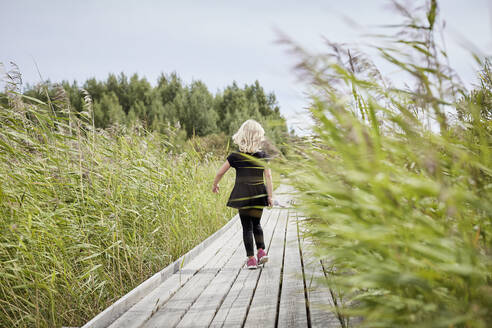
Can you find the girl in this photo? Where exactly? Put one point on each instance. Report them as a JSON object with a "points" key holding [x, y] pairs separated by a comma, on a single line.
{"points": [[249, 194]]}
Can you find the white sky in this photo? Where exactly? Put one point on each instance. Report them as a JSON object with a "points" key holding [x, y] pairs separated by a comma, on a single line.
{"points": [[214, 41]]}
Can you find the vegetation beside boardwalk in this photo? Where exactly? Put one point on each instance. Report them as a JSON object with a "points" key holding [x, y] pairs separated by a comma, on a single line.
{"points": [[189, 107], [88, 214], [397, 180]]}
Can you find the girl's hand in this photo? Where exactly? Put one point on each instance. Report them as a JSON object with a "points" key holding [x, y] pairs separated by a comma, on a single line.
{"points": [[223, 169], [270, 201]]}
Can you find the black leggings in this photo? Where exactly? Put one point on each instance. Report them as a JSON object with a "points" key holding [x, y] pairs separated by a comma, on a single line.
{"points": [[250, 220]]}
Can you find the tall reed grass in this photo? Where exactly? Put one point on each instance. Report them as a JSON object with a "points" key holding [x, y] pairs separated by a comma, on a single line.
{"points": [[89, 214], [397, 181]]}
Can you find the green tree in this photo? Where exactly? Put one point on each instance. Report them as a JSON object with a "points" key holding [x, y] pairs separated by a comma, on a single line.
{"points": [[139, 90], [171, 102], [232, 109], [95, 88], [200, 117], [108, 110]]}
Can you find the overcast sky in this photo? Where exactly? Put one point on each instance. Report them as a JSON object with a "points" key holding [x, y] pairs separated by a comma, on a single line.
{"points": [[214, 41]]}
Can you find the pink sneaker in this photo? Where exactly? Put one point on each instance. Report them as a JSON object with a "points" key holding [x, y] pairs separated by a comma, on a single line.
{"points": [[262, 257], [252, 263]]}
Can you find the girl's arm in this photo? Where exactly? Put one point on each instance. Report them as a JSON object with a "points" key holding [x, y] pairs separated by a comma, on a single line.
{"points": [[223, 169], [269, 186]]}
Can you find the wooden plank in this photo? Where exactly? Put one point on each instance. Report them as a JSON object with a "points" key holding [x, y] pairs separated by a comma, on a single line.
{"points": [[170, 313], [115, 310], [206, 306], [292, 309], [232, 312], [263, 309], [323, 313], [152, 301], [142, 310]]}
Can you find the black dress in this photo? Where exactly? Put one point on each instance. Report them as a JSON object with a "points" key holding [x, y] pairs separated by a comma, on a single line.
{"points": [[249, 190]]}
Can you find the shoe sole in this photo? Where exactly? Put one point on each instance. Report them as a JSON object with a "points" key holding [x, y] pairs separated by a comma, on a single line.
{"points": [[263, 260], [253, 267]]}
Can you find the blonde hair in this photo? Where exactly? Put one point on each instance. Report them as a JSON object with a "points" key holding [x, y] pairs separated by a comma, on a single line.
{"points": [[249, 137]]}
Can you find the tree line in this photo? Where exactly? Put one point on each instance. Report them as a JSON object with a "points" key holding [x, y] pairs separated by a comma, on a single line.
{"points": [[171, 102]]}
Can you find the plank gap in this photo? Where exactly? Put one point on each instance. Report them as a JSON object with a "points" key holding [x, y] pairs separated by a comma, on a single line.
{"points": [[281, 272], [308, 311], [341, 318], [225, 295]]}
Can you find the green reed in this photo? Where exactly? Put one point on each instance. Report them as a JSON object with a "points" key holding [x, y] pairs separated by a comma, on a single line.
{"points": [[87, 214], [397, 182]]}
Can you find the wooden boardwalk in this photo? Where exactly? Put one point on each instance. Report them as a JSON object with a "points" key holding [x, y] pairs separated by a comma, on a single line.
{"points": [[215, 289]]}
